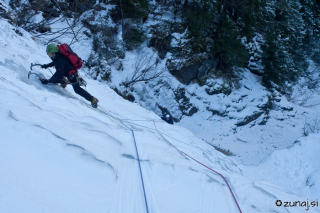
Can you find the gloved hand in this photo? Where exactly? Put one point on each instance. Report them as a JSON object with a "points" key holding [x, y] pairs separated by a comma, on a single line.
{"points": [[44, 81], [44, 66]]}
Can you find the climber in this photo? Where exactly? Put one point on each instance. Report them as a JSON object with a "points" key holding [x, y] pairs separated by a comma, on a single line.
{"points": [[167, 119], [65, 68]]}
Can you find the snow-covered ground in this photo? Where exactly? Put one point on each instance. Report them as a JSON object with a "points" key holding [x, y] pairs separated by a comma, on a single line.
{"points": [[252, 126], [250, 123], [60, 155]]}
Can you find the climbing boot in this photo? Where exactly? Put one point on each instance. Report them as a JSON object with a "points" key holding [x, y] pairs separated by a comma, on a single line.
{"points": [[64, 82], [63, 85], [94, 102]]}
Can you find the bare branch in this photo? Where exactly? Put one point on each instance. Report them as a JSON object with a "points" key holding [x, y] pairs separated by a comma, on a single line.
{"points": [[306, 93], [145, 69], [66, 19], [311, 125], [66, 30]]}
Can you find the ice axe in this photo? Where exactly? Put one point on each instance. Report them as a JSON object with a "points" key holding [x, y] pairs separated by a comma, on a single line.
{"points": [[36, 74], [32, 73], [32, 65]]}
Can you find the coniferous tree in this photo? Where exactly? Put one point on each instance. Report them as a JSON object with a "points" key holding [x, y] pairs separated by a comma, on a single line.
{"points": [[228, 48], [284, 57], [311, 17]]}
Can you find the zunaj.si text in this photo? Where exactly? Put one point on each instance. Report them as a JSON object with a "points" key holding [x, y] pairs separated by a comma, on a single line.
{"points": [[297, 204]]}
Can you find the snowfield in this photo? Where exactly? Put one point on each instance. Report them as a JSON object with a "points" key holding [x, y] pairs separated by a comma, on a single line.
{"points": [[60, 155]]}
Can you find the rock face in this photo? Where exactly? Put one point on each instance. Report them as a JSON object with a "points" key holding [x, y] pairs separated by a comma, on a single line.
{"points": [[184, 103], [193, 68], [186, 74], [172, 40]]}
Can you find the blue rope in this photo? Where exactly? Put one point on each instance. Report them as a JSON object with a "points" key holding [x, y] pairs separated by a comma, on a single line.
{"points": [[138, 158], [144, 193]]}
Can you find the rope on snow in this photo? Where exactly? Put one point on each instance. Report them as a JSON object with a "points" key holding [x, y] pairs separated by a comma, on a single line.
{"points": [[137, 153], [225, 180]]}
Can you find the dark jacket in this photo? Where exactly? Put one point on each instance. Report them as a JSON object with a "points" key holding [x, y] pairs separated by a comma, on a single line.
{"points": [[63, 66], [169, 121]]}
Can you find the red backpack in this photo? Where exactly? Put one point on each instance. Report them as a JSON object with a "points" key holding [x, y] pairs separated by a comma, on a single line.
{"points": [[72, 56]]}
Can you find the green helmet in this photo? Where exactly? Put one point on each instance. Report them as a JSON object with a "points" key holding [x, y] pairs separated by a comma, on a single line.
{"points": [[52, 48]]}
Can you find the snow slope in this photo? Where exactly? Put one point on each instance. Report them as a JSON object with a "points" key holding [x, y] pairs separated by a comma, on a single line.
{"points": [[60, 155]]}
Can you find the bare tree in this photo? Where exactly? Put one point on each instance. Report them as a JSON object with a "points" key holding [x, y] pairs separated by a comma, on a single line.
{"points": [[307, 93], [25, 15], [65, 18], [145, 69], [311, 125]]}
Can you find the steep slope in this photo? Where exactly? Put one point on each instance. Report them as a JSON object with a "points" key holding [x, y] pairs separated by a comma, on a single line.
{"points": [[60, 155]]}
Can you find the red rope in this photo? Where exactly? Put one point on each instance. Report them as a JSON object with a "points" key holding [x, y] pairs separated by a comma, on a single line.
{"points": [[225, 180]]}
